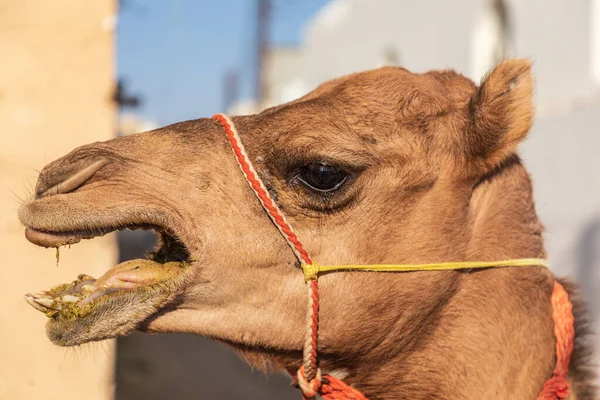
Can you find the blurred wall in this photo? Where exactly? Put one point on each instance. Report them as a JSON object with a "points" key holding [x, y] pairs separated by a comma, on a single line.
{"points": [[56, 82]]}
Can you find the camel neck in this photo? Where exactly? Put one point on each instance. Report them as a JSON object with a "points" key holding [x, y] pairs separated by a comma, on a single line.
{"points": [[502, 216]]}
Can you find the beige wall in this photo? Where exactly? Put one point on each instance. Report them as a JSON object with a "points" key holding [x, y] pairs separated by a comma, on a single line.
{"points": [[56, 80]]}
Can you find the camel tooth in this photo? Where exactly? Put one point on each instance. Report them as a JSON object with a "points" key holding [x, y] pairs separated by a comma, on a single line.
{"points": [[56, 288], [29, 298], [44, 295], [49, 303], [69, 298], [88, 288]]}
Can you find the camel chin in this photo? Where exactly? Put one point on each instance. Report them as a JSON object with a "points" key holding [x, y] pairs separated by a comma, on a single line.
{"points": [[89, 309]]}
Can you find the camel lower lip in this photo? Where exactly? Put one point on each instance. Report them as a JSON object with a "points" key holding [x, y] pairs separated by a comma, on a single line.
{"points": [[51, 239], [79, 310]]}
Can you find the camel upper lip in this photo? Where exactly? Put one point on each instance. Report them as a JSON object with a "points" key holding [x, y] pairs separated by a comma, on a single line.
{"points": [[55, 239], [170, 247], [46, 238], [62, 214]]}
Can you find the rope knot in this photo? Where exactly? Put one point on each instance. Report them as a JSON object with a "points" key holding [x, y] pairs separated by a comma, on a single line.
{"points": [[309, 388], [556, 387], [310, 271]]}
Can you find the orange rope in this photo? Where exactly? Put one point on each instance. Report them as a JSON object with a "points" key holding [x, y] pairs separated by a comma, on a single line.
{"points": [[309, 377], [259, 189], [557, 387], [329, 388]]}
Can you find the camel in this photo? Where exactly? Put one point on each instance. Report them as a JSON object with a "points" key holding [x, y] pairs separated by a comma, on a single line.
{"points": [[382, 166]]}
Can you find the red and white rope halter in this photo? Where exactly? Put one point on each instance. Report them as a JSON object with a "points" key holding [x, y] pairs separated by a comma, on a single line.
{"points": [[309, 377]]}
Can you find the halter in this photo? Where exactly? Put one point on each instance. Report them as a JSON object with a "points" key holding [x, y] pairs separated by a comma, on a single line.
{"points": [[309, 377]]}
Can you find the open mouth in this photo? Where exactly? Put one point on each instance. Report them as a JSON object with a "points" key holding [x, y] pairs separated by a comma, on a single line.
{"points": [[89, 309]]}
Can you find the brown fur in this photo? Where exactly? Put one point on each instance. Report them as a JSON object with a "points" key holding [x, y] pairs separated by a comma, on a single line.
{"points": [[432, 177]]}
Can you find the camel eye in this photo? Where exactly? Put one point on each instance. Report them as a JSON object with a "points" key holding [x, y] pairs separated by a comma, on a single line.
{"points": [[322, 177]]}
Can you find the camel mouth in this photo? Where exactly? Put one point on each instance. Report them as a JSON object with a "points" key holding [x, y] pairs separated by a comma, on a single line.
{"points": [[90, 309], [170, 247]]}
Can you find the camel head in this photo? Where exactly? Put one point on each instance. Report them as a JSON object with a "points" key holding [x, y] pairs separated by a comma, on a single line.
{"points": [[384, 166]]}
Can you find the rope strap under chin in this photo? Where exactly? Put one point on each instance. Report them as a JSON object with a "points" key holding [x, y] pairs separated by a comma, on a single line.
{"points": [[309, 377]]}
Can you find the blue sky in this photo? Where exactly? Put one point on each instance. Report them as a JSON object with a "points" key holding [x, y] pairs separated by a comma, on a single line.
{"points": [[174, 54]]}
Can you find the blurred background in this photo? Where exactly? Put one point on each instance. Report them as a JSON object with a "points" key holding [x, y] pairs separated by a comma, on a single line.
{"points": [[76, 71]]}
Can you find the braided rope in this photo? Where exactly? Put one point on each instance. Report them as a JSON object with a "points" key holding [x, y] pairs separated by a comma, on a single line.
{"points": [[333, 388], [557, 387], [261, 192], [330, 388], [312, 330], [309, 377]]}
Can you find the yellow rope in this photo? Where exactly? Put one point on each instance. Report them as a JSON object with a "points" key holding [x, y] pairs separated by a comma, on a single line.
{"points": [[311, 271]]}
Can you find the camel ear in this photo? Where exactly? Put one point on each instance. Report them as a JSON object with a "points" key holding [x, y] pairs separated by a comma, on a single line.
{"points": [[501, 113]]}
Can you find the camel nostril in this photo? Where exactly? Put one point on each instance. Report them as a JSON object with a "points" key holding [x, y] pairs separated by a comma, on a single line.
{"points": [[72, 182]]}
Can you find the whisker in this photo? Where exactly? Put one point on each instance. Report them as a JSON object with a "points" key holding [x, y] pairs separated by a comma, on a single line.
{"points": [[20, 200]]}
